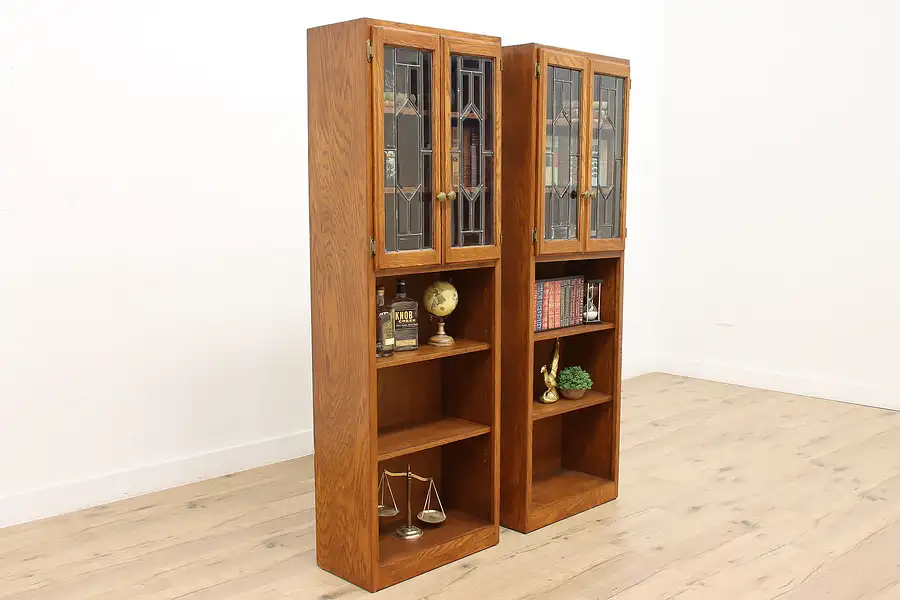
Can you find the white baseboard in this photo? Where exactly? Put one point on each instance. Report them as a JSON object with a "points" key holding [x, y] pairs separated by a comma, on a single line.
{"points": [[639, 366], [76, 495], [792, 383]]}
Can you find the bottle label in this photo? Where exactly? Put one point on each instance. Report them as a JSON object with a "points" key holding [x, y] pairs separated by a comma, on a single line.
{"points": [[406, 328], [387, 334]]}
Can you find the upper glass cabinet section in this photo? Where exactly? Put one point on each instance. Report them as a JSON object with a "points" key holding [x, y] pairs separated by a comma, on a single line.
{"points": [[472, 186], [408, 150], [607, 128], [562, 154]]}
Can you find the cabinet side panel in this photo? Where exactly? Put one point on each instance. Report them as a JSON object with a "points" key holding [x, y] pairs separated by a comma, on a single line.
{"points": [[342, 331], [518, 157]]}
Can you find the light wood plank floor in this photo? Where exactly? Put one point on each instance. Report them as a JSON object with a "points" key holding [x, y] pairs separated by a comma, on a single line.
{"points": [[727, 492]]}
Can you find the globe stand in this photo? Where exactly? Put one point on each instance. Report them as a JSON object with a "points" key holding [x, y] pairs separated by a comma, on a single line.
{"points": [[440, 338]]}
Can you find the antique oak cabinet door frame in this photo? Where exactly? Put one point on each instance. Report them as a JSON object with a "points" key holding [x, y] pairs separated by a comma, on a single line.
{"points": [[606, 162], [561, 177], [471, 142], [406, 147]]}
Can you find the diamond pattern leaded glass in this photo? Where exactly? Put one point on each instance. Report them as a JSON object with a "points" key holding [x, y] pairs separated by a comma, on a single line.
{"points": [[607, 124], [562, 154], [472, 150], [408, 152]]}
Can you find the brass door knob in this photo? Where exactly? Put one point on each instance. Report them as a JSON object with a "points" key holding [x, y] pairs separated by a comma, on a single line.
{"points": [[586, 194], [451, 196], [442, 196]]}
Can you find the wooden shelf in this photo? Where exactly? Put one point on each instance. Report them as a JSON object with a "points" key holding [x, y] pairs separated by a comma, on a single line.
{"points": [[564, 492], [406, 440], [563, 405], [550, 334], [460, 535], [426, 352]]}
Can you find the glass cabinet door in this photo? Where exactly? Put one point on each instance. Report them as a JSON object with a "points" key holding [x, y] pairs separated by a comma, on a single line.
{"points": [[607, 177], [471, 194], [563, 142], [406, 102]]}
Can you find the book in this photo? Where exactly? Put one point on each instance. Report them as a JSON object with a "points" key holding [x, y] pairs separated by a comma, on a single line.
{"points": [[545, 305], [538, 305], [566, 299], [579, 308]]}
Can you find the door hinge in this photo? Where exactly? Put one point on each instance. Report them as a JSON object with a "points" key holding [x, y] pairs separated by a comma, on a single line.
{"points": [[369, 52], [534, 235], [537, 69], [629, 83], [501, 239], [372, 246], [501, 65]]}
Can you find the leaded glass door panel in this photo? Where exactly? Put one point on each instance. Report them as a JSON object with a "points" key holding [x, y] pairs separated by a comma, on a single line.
{"points": [[472, 144], [406, 101], [562, 146], [608, 124]]}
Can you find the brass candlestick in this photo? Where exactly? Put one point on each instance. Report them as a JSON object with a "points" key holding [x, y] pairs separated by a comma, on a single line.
{"points": [[408, 531]]}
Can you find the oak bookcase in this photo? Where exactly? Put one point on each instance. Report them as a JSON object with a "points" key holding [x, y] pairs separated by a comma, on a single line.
{"points": [[404, 173], [564, 179]]}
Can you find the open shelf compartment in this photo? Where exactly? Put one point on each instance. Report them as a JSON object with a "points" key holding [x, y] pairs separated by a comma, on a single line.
{"points": [[572, 464], [590, 269], [427, 404], [463, 476], [470, 324]]}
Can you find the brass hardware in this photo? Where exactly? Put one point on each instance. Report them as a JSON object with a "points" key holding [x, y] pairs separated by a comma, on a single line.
{"points": [[441, 197], [534, 235], [501, 65], [451, 196], [433, 516], [537, 70], [586, 194], [372, 245], [369, 52]]}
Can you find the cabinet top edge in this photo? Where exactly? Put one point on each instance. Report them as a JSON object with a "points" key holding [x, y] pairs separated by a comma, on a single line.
{"points": [[369, 22], [536, 46]]}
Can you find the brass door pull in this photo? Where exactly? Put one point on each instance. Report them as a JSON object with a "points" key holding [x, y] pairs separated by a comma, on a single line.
{"points": [[441, 197], [451, 196]]}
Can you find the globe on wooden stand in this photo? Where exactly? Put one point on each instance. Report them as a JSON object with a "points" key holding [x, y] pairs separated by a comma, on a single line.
{"points": [[440, 300]]}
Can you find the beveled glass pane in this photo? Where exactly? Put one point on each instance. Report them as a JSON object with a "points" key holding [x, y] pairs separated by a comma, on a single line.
{"points": [[471, 151], [407, 150], [607, 127], [562, 154]]}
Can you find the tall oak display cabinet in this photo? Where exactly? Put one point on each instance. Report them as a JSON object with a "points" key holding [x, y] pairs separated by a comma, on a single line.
{"points": [[404, 173], [564, 182]]}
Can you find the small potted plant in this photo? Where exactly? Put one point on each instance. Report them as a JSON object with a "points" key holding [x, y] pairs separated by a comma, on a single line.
{"points": [[573, 381]]}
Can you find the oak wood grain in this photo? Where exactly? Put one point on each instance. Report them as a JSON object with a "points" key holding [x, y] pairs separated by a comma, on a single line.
{"points": [[344, 420], [540, 439], [434, 409]]}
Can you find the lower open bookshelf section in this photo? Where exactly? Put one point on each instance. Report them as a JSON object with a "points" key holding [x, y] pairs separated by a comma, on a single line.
{"points": [[453, 539], [572, 461], [463, 477]]}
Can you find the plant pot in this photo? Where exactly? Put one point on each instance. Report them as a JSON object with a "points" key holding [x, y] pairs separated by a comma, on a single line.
{"points": [[572, 394]]}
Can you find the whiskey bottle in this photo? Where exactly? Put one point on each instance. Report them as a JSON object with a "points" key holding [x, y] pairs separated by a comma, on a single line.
{"points": [[384, 324], [406, 320]]}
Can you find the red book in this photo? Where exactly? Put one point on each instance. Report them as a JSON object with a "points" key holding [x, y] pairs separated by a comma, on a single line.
{"points": [[536, 311], [557, 288]]}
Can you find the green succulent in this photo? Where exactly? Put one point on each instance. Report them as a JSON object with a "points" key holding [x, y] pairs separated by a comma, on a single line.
{"points": [[574, 378]]}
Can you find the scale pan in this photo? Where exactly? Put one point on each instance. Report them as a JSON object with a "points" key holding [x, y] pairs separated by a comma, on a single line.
{"points": [[388, 511], [432, 516]]}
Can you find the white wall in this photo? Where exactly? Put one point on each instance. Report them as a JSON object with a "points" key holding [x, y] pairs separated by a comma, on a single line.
{"points": [[779, 246], [153, 231]]}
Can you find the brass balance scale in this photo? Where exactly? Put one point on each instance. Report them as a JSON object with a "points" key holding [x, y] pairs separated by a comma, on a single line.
{"points": [[432, 516]]}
